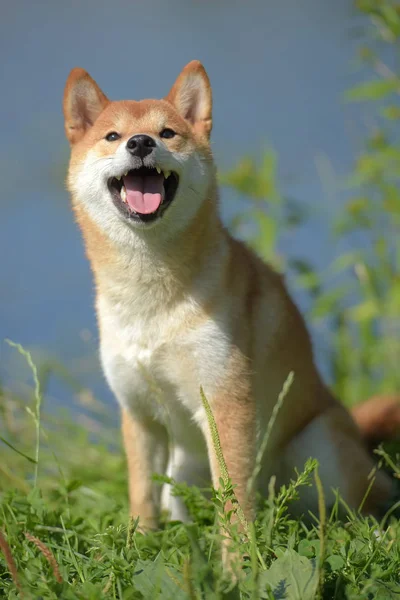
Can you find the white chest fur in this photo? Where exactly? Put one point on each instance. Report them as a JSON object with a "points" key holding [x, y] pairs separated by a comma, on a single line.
{"points": [[155, 358]]}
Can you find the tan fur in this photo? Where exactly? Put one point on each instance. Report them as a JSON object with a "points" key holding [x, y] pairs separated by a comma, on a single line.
{"points": [[378, 418], [182, 305], [140, 449]]}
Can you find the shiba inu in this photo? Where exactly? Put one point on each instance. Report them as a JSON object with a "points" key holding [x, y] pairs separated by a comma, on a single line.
{"points": [[182, 305]]}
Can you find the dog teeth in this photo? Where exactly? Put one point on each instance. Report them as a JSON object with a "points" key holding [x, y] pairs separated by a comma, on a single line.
{"points": [[123, 194], [166, 173], [119, 178]]}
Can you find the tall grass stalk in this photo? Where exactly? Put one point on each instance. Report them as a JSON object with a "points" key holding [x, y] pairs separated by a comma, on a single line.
{"points": [[38, 403]]}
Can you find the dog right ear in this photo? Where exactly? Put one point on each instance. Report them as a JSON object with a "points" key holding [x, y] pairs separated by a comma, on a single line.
{"points": [[83, 102]]}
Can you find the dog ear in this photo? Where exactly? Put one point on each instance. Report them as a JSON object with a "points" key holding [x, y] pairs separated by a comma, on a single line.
{"points": [[191, 96], [83, 102]]}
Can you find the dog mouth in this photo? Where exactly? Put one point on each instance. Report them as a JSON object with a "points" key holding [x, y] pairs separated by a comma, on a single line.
{"points": [[144, 194]]}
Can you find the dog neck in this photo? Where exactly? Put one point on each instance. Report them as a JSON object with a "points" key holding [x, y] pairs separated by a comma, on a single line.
{"points": [[173, 264]]}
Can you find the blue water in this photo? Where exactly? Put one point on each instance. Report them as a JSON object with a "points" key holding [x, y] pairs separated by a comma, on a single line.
{"points": [[278, 70]]}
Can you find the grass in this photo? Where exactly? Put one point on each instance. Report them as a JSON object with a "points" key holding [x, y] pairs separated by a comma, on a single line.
{"points": [[66, 531]]}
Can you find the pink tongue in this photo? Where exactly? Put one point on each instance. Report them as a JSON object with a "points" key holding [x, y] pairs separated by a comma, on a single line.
{"points": [[144, 194]]}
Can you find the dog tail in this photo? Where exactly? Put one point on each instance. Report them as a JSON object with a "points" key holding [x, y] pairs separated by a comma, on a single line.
{"points": [[378, 418]]}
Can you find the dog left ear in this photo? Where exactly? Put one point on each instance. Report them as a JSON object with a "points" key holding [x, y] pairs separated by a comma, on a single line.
{"points": [[191, 96]]}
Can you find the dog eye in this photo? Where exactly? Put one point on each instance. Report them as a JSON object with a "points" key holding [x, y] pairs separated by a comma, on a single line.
{"points": [[113, 136], [167, 133]]}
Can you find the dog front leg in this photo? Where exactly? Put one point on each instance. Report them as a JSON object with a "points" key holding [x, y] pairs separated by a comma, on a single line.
{"points": [[146, 447]]}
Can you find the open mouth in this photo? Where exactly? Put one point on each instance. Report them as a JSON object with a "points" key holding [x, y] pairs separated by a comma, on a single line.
{"points": [[143, 194]]}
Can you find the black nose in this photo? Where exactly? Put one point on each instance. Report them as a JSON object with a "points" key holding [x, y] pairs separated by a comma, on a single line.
{"points": [[140, 145]]}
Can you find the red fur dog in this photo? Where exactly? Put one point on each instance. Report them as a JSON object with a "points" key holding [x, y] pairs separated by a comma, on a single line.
{"points": [[181, 305]]}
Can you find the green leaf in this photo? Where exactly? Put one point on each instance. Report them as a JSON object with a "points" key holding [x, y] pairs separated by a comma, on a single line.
{"points": [[365, 311], [257, 181], [154, 580], [307, 548], [391, 112], [201, 570], [74, 485], [291, 577], [335, 562], [265, 242], [372, 90], [328, 303], [32, 460], [375, 590], [345, 262]]}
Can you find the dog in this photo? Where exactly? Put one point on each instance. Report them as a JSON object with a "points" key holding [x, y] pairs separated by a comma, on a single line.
{"points": [[181, 305]]}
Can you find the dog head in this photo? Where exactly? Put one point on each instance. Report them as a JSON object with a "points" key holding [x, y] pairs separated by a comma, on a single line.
{"points": [[140, 165]]}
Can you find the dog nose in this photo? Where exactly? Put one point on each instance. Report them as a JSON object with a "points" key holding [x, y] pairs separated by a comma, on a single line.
{"points": [[140, 145]]}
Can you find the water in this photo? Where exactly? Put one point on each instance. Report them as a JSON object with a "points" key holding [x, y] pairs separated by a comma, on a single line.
{"points": [[278, 71]]}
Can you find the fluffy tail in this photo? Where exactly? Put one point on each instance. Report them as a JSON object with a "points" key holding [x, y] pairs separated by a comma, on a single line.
{"points": [[378, 418]]}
